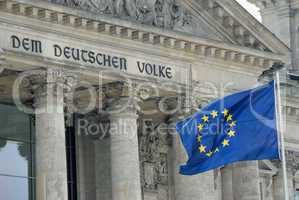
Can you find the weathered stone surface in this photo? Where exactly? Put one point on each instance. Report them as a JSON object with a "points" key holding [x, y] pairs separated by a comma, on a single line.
{"points": [[278, 185], [154, 149], [51, 171], [204, 186], [103, 169], [246, 181], [169, 14], [227, 183], [210, 61], [125, 167]]}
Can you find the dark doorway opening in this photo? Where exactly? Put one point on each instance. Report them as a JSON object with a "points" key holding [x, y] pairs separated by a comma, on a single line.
{"points": [[71, 161]]}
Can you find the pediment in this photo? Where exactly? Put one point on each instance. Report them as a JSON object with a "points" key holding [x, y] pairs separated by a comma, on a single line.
{"points": [[165, 14], [220, 20], [236, 25]]}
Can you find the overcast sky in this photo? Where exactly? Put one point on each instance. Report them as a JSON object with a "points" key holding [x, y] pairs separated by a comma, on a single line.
{"points": [[251, 8]]}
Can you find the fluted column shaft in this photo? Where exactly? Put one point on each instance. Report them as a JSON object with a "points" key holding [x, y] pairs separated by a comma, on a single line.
{"points": [[278, 185], [227, 182], [125, 168], [246, 181], [189, 187], [51, 169]]}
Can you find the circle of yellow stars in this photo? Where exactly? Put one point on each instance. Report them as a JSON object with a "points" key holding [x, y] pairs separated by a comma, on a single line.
{"points": [[225, 142]]}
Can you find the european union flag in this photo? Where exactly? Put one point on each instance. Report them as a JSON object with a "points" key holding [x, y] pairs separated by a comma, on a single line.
{"points": [[239, 127]]}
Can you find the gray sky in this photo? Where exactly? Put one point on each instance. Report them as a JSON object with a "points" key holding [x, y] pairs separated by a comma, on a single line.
{"points": [[251, 8]]}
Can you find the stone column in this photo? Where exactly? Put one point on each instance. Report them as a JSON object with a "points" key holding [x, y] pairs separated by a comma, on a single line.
{"points": [[278, 186], [103, 169], [179, 157], [292, 159], [227, 182], [102, 155], [125, 168], [51, 169], [202, 186], [246, 181]]}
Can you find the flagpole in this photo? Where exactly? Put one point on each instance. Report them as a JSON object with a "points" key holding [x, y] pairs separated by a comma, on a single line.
{"points": [[281, 130]]}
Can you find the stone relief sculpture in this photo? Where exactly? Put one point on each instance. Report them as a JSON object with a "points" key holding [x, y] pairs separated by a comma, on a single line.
{"points": [[154, 161], [292, 160], [168, 14]]}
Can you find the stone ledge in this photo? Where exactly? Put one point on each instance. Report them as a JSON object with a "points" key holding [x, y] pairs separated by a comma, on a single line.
{"points": [[151, 35]]}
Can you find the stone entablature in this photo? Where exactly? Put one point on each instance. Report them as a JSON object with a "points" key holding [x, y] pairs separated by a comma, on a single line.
{"points": [[174, 16], [148, 35], [170, 15]]}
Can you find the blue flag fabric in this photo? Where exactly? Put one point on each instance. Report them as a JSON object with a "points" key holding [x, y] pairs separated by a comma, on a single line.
{"points": [[239, 127]]}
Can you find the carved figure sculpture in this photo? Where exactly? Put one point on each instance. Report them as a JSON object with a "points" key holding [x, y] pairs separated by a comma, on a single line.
{"points": [[161, 13]]}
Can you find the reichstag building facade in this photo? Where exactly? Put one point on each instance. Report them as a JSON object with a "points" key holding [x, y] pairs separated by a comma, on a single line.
{"points": [[90, 91]]}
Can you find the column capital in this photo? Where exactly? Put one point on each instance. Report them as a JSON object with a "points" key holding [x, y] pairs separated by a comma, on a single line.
{"points": [[123, 107], [50, 83], [117, 89], [184, 111], [69, 86], [203, 93], [176, 105], [120, 99]]}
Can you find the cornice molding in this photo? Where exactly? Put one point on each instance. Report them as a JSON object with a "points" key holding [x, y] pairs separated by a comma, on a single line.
{"points": [[181, 16], [263, 4], [224, 21], [252, 27], [60, 15]]}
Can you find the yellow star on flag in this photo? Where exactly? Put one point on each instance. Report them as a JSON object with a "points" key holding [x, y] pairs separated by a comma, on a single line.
{"points": [[225, 112], [225, 143], [231, 133], [229, 118], [200, 127], [205, 118], [214, 113], [210, 154], [232, 124], [199, 138], [216, 150], [202, 149]]}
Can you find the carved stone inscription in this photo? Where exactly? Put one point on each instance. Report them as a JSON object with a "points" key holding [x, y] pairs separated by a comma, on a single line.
{"points": [[91, 56], [26, 44]]}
